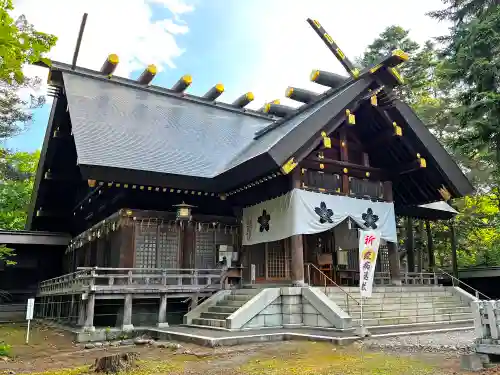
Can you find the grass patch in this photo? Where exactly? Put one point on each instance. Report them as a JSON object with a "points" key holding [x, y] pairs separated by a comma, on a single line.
{"points": [[321, 358], [5, 350], [70, 371]]}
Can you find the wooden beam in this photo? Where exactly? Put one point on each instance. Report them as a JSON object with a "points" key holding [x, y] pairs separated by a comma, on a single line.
{"points": [[392, 248], [430, 245], [410, 245], [334, 169], [344, 156], [409, 167], [336, 144], [345, 164]]}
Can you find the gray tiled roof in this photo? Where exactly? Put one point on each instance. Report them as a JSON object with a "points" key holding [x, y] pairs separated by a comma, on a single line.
{"points": [[269, 139], [123, 127]]}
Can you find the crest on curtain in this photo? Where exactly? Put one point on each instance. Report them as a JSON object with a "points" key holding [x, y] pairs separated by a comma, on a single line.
{"points": [[325, 214], [370, 219], [263, 221]]}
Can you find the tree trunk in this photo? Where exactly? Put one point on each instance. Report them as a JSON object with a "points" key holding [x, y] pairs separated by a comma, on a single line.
{"points": [[115, 363]]}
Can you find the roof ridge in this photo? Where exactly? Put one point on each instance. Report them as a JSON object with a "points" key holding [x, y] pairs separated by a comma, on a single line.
{"points": [[128, 82]]}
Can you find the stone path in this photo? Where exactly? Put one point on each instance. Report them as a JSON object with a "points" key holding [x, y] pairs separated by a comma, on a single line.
{"points": [[460, 341]]}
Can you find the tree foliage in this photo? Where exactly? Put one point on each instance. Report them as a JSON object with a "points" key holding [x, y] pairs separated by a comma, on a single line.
{"points": [[15, 193], [20, 44], [472, 65], [437, 97]]}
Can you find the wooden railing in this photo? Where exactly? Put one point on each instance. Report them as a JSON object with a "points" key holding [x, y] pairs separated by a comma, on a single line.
{"points": [[319, 278], [123, 280], [333, 183], [408, 278]]}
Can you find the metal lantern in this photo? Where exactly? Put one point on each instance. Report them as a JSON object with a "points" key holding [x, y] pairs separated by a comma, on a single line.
{"points": [[183, 211]]}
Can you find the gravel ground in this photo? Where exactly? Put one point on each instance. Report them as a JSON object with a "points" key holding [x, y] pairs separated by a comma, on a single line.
{"points": [[460, 341]]}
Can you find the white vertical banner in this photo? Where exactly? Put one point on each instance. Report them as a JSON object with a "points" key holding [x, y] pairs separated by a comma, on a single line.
{"points": [[369, 242]]}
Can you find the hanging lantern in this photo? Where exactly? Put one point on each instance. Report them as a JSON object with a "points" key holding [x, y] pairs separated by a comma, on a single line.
{"points": [[183, 211]]}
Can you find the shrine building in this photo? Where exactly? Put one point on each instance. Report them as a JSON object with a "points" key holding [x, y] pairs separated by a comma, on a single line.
{"points": [[157, 188]]}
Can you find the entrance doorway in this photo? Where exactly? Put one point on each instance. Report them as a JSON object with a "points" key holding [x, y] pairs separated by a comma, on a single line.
{"points": [[272, 261]]}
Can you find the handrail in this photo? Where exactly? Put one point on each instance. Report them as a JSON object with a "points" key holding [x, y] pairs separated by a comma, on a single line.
{"points": [[333, 282], [221, 281], [453, 278]]}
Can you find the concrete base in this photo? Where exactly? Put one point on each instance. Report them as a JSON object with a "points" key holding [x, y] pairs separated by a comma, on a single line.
{"points": [[163, 325], [214, 338], [471, 362], [362, 332], [128, 328], [89, 329]]}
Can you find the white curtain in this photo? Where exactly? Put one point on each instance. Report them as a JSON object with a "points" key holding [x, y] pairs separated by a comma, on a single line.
{"points": [[305, 212]]}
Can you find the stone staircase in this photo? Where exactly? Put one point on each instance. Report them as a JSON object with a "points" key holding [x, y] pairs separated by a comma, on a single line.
{"points": [[406, 306], [215, 316]]}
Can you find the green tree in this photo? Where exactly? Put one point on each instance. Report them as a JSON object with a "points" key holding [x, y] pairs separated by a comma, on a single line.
{"points": [[472, 66], [434, 97], [15, 194], [20, 44]]}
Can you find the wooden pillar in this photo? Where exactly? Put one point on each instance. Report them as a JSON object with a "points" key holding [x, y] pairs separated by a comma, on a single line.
{"points": [[162, 311], [430, 245], [420, 245], [344, 156], [127, 244], [297, 271], [410, 245], [81, 313], [188, 251], [89, 316], [392, 248], [453, 239], [127, 313], [297, 244]]}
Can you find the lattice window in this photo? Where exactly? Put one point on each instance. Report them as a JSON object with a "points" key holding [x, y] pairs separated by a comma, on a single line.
{"points": [[382, 260], [145, 244], [168, 246], [278, 260], [205, 250]]}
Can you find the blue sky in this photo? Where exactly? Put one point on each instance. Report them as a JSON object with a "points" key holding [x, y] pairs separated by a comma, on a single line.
{"points": [[260, 46]]}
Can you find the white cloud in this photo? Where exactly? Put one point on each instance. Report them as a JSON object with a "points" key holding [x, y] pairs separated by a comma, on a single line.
{"points": [[290, 49], [113, 26]]}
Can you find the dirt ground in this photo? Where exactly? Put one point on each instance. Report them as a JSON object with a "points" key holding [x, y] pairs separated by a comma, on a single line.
{"points": [[51, 352]]}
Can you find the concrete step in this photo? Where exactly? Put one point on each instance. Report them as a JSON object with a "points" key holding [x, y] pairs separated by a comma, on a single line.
{"points": [[437, 293], [214, 315], [396, 298], [396, 304], [238, 297], [231, 303], [400, 306], [223, 309], [413, 319], [247, 292], [412, 312], [264, 286], [210, 322], [390, 289], [418, 328]]}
